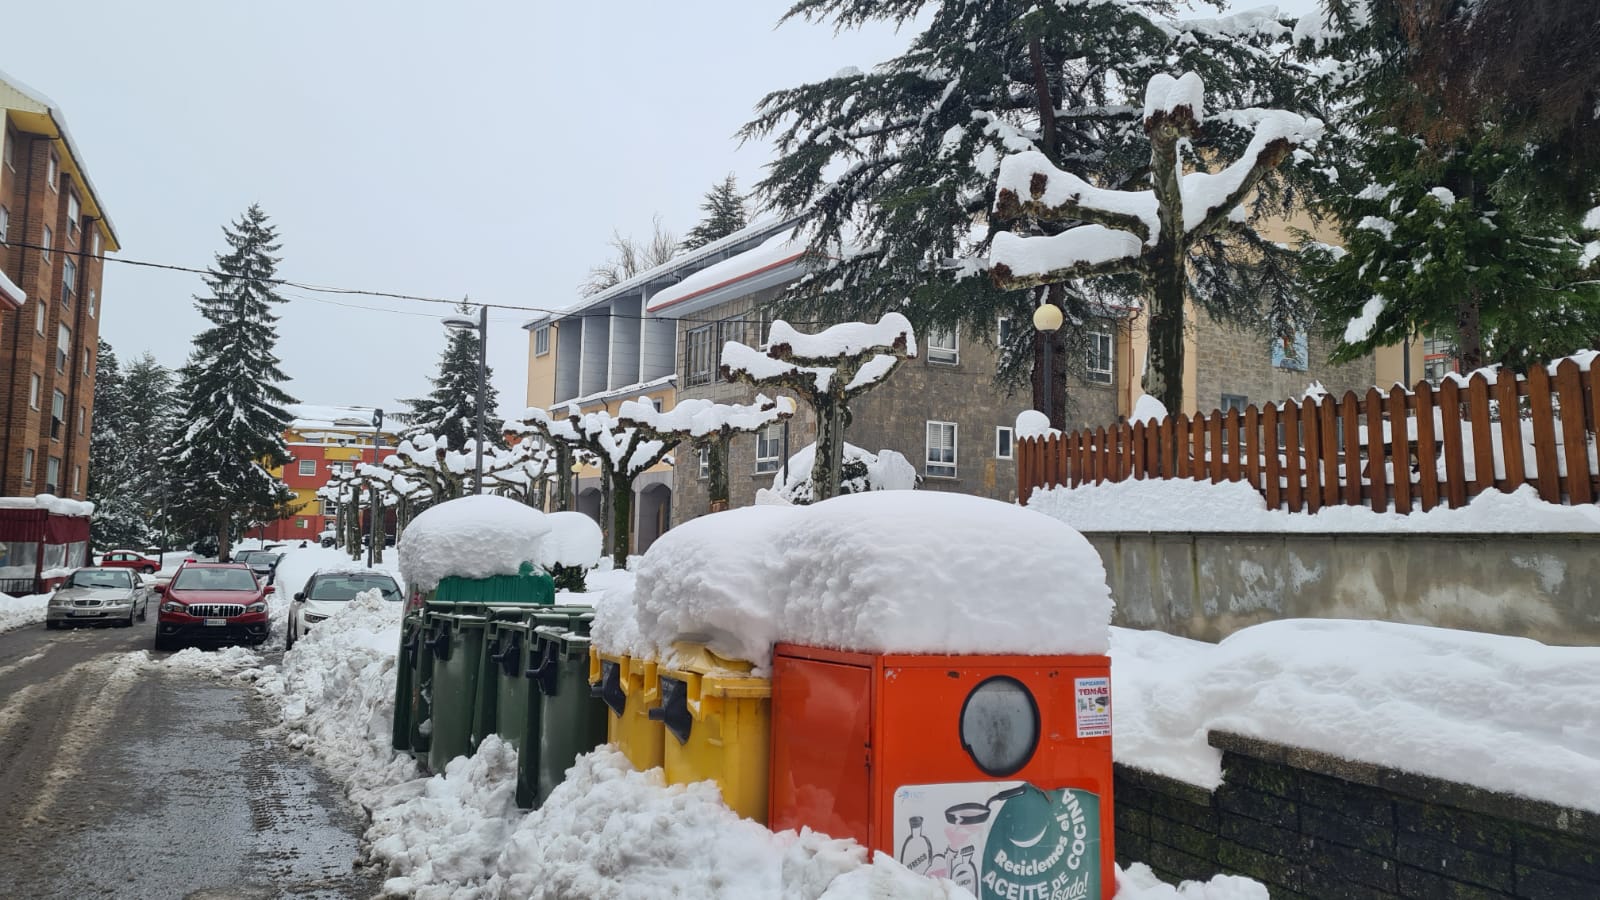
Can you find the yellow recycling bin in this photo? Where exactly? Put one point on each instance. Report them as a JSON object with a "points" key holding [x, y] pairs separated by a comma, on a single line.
{"points": [[717, 718], [629, 688]]}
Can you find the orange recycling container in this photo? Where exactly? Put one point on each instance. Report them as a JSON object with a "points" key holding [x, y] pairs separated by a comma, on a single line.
{"points": [[992, 771], [630, 689]]}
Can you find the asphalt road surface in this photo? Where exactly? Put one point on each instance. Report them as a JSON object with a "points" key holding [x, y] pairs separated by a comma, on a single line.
{"points": [[159, 785]]}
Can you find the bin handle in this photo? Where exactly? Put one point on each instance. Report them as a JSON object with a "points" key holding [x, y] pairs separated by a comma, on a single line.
{"points": [[411, 646], [544, 674], [506, 655], [439, 643]]}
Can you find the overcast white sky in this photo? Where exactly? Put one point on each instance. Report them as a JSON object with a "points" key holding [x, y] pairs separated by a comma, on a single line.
{"points": [[441, 149]]}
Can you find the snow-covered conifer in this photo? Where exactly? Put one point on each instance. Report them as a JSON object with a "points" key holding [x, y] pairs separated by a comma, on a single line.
{"points": [[119, 520], [724, 211], [450, 410]]}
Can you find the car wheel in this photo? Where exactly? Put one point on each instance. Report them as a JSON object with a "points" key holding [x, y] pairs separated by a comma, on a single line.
{"points": [[288, 638], [144, 612], [52, 625], [148, 570], [163, 642]]}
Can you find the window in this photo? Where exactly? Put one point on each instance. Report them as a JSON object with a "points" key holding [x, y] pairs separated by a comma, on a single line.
{"points": [[94, 243], [92, 304], [1291, 354], [656, 402], [11, 150], [1438, 359], [33, 391], [308, 467], [38, 316], [85, 354], [69, 282], [705, 461], [328, 508], [5, 224], [700, 355], [1234, 401], [83, 417], [27, 465], [942, 347], [769, 448], [299, 523], [1002, 442], [1003, 330], [52, 475], [77, 475], [1100, 360], [58, 415], [541, 340], [63, 347], [45, 241], [941, 456], [73, 212], [51, 172]]}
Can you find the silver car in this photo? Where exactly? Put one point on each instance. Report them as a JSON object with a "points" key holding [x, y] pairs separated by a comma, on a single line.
{"points": [[98, 597]]}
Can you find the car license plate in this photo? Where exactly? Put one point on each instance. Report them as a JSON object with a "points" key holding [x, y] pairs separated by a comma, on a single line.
{"points": [[210, 622]]}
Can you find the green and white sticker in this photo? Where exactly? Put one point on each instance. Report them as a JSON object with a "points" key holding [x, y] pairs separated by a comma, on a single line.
{"points": [[1002, 840]]}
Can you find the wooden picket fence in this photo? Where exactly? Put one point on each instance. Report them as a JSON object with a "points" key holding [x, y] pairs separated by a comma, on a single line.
{"points": [[1446, 444]]}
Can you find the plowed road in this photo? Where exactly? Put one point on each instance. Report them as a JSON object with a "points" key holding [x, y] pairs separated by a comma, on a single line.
{"points": [[155, 784]]}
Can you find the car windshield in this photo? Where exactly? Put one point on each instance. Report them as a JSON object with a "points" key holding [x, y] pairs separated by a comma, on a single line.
{"points": [[219, 579], [345, 587], [265, 559], [100, 578], [244, 555]]}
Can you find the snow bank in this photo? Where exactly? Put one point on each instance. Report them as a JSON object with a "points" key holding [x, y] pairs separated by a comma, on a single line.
{"points": [[1506, 714], [1137, 882], [574, 540], [889, 571], [470, 537], [20, 612], [886, 470], [1184, 505]]}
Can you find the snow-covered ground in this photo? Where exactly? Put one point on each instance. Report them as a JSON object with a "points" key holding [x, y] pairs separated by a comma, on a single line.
{"points": [[20, 612]]}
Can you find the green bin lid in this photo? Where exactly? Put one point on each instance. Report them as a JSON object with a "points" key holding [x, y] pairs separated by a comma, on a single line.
{"points": [[525, 587]]}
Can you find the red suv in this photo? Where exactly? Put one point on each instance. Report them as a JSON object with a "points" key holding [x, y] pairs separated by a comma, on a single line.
{"points": [[212, 602]]}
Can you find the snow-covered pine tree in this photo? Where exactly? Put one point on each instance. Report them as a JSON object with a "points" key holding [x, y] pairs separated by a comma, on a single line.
{"points": [[829, 369], [233, 408], [1151, 234], [724, 211], [897, 165], [148, 413], [450, 410], [1451, 223], [118, 519]]}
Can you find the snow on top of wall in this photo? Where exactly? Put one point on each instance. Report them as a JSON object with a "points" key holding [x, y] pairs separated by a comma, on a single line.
{"points": [[1163, 505], [470, 537], [845, 338], [10, 289], [777, 250], [1502, 713], [574, 540], [60, 506], [884, 571], [1148, 409]]}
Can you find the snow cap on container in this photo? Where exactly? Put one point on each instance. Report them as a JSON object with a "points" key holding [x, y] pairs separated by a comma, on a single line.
{"points": [[471, 537]]}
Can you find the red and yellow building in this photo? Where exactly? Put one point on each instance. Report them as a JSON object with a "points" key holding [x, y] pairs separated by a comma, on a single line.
{"points": [[323, 442]]}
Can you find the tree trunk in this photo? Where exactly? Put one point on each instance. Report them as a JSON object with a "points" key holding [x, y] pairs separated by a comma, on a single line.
{"points": [[621, 519], [564, 496], [1047, 106], [223, 546], [829, 453], [717, 463], [1469, 330], [1163, 377]]}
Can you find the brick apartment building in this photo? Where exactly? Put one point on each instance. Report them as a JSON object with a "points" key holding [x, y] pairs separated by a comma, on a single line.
{"points": [[53, 232], [323, 442]]}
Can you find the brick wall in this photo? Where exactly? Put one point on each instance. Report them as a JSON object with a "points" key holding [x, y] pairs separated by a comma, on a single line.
{"points": [[1309, 825]]}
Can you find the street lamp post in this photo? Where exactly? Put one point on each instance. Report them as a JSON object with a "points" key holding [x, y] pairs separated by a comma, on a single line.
{"points": [[1047, 319], [482, 327], [372, 499]]}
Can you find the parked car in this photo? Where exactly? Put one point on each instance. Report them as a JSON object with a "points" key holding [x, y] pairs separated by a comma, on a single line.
{"points": [[211, 602], [265, 564], [98, 596], [327, 591], [129, 559]]}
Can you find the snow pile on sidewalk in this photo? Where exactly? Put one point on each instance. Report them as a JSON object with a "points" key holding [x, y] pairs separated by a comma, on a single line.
{"points": [[1503, 713], [470, 537], [20, 612], [888, 571], [215, 662], [1184, 505]]}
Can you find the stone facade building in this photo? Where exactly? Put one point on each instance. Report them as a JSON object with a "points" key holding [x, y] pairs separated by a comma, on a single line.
{"points": [[53, 234]]}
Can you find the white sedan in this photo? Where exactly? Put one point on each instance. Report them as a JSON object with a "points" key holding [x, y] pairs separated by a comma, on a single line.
{"points": [[328, 591]]}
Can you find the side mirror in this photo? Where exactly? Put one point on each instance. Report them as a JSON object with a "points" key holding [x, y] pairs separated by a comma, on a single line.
{"points": [[300, 595], [159, 588], [270, 590]]}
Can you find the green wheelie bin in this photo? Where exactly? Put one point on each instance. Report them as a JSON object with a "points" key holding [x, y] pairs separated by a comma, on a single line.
{"points": [[407, 684], [572, 721], [456, 660]]}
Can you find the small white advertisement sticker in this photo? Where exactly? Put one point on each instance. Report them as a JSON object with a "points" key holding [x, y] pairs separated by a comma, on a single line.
{"points": [[1093, 706]]}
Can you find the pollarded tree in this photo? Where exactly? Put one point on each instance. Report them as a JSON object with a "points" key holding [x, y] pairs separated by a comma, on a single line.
{"points": [[829, 369], [1151, 234], [450, 411], [706, 425], [233, 415], [897, 166], [724, 211]]}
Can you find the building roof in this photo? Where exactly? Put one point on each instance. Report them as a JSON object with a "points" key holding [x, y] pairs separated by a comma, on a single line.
{"points": [[778, 259], [38, 114], [762, 228], [312, 417]]}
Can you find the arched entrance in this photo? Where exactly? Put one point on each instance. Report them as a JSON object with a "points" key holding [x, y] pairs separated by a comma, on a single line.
{"points": [[655, 515], [589, 504]]}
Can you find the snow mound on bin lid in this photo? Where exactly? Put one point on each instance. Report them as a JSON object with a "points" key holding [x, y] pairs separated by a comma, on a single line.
{"points": [[574, 540], [471, 537], [894, 571]]}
